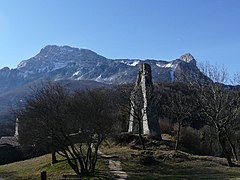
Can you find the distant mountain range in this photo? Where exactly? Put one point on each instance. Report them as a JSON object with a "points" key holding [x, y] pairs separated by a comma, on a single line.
{"points": [[84, 68]]}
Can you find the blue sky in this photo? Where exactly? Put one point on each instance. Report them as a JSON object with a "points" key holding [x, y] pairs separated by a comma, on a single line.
{"points": [[157, 29]]}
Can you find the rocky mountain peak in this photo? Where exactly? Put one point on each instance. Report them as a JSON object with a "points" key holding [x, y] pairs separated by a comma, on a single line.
{"points": [[53, 49], [53, 57], [188, 58], [67, 53]]}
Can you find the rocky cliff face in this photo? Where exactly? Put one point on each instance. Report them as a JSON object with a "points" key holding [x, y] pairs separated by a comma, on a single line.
{"points": [[188, 58]]}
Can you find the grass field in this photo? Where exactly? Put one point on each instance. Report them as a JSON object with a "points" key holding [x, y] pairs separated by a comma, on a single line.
{"points": [[32, 168], [169, 164], [175, 165]]}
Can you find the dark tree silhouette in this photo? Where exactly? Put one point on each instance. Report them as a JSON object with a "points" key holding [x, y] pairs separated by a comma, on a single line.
{"points": [[73, 124], [220, 107], [128, 104], [176, 102]]}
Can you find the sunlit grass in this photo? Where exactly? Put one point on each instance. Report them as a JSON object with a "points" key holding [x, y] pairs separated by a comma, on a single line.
{"points": [[181, 166], [32, 168]]}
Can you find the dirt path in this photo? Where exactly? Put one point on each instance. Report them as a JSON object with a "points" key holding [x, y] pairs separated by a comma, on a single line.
{"points": [[114, 166], [116, 169]]}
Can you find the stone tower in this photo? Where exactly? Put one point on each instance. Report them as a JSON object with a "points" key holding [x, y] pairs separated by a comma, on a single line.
{"points": [[142, 107]]}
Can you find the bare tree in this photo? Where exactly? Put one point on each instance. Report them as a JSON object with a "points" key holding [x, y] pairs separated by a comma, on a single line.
{"points": [[176, 103], [136, 112], [74, 124], [220, 106], [38, 120], [94, 112], [130, 104]]}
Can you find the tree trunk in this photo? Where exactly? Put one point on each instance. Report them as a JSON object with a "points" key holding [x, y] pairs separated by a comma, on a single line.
{"points": [[54, 158], [178, 136], [140, 135], [227, 154], [142, 141], [234, 152], [72, 165]]}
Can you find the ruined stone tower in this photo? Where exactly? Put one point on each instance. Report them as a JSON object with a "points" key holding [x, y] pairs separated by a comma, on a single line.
{"points": [[142, 108]]}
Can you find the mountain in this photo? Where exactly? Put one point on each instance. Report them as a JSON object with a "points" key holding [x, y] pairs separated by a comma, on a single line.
{"points": [[67, 63], [86, 68]]}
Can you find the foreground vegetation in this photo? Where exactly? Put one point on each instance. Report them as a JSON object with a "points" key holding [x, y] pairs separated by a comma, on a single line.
{"points": [[32, 168], [171, 164], [168, 164], [72, 124]]}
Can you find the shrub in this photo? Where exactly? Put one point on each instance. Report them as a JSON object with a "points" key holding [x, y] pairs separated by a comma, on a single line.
{"points": [[203, 141], [190, 139], [209, 141], [166, 127]]}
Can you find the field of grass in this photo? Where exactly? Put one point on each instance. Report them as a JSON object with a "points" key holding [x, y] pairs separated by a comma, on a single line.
{"points": [[172, 164], [181, 170], [168, 164], [32, 168]]}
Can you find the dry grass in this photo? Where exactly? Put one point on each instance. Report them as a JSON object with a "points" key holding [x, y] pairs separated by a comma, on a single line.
{"points": [[32, 168], [173, 164], [169, 164]]}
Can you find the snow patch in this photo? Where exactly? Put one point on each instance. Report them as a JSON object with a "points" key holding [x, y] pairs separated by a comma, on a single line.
{"points": [[168, 65], [134, 63], [98, 78], [172, 72], [80, 78], [59, 65], [22, 64], [171, 65], [76, 73]]}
